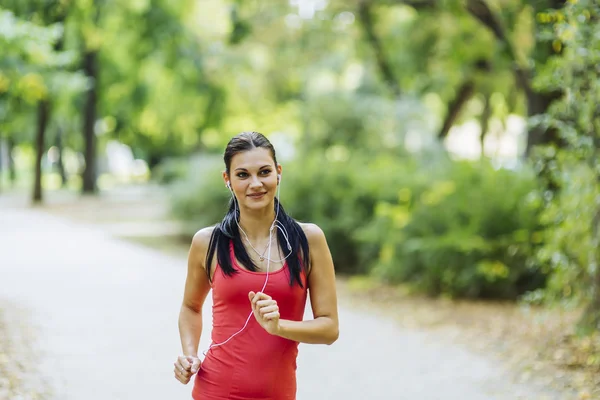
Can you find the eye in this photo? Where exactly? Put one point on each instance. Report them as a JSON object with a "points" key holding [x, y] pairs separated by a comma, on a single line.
{"points": [[242, 174], [265, 172]]}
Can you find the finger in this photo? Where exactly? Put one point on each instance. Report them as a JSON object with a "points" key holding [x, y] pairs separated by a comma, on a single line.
{"points": [[196, 366], [263, 303], [181, 379], [255, 299], [184, 374], [266, 310], [181, 370], [194, 361], [271, 316], [251, 295], [179, 365], [183, 362], [260, 296], [265, 296]]}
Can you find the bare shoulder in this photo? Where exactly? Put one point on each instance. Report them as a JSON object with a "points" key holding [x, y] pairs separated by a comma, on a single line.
{"points": [[320, 255], [200, 241], [314, 234], [202, 237]]}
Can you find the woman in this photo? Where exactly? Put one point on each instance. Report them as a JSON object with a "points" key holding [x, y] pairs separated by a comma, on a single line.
{"points": [[259, 263]]}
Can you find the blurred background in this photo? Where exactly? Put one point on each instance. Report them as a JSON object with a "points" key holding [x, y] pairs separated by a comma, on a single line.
{"points": [[448, 149]]}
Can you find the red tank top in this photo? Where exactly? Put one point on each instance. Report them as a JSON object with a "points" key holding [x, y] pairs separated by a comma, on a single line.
{"points": [[253, 364]]}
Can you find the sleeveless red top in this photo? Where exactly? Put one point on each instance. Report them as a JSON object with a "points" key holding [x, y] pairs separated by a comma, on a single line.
{"points": [[253, 364]]}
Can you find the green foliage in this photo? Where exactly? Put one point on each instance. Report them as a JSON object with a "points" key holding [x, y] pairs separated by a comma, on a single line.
{"points": [[27, 54], [360, 121], [201, 199], [177, 77], [569, 241], [469, 232], [170, 171], [32, 69], [153, 80], [572, 215], [241, 28], [340, 194]]}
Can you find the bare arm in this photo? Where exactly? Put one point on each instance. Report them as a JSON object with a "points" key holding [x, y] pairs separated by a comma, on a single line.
{"points": [[197, 287], [323, 329]]}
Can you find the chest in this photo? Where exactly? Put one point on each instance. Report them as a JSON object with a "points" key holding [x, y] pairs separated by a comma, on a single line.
{"points": [[233, 290], [266, 262]]}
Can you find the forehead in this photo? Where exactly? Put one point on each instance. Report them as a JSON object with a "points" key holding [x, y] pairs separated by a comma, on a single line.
{"points": [[252, 159]]}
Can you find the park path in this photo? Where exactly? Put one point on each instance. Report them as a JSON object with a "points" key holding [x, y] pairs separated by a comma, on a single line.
{"points": [[105, 316]]}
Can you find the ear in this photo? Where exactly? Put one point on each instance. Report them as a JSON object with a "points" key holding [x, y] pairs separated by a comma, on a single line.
{"points": [[278, 171], [225, 177]]}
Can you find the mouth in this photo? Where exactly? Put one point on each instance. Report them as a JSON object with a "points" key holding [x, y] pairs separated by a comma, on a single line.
{"points": [[257, 195]]}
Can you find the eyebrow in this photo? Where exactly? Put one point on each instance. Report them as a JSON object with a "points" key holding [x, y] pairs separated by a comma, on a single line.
{"points": [[244, 169]]}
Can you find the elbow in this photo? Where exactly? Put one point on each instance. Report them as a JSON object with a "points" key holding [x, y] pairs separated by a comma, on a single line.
{"points": [[191, 307], [333, 337]]}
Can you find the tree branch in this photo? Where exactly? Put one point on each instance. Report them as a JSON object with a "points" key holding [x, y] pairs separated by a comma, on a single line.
{"points": [[464, 93], [366, 19], [482, 12], [484, 122], [416, 4], [455, 106]]}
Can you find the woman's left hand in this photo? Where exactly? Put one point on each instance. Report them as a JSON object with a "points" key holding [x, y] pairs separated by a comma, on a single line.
{"points": [[266, 311]]}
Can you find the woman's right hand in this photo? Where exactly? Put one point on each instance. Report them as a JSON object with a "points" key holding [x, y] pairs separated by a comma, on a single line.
{"points": [[185, 367]]}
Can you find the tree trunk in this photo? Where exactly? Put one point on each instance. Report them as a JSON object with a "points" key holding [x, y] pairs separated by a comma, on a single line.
{"points": [[383, 63], [485, 123], [464, 93], [60, 163], [42, 122], [12, 173], [538, 103], [590, 320], [90, 66]]}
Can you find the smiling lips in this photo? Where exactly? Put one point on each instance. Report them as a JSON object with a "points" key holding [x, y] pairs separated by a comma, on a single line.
{"points": [[257, 195]]}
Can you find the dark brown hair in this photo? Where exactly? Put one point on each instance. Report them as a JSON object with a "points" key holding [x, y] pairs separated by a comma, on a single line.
{"points": [[246, 141]]}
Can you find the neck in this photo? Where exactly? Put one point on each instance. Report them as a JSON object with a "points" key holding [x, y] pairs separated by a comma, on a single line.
{"points": [[256, 223]]}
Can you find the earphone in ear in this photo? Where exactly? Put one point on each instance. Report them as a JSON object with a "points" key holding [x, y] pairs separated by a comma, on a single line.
{"points": [[278, 177], [228, 185]]}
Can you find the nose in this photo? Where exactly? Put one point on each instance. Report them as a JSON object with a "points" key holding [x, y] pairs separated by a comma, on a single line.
{"points": [[255, 183]]}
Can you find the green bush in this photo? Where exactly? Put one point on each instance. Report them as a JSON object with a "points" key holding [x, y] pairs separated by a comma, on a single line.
{"points": [[201, 199], [467, 231], [570, 245], [340, 195], [170, 170]]}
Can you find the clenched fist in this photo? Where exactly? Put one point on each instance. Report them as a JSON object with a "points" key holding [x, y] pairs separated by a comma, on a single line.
{"points": [[185, 367], [266, 311]]}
